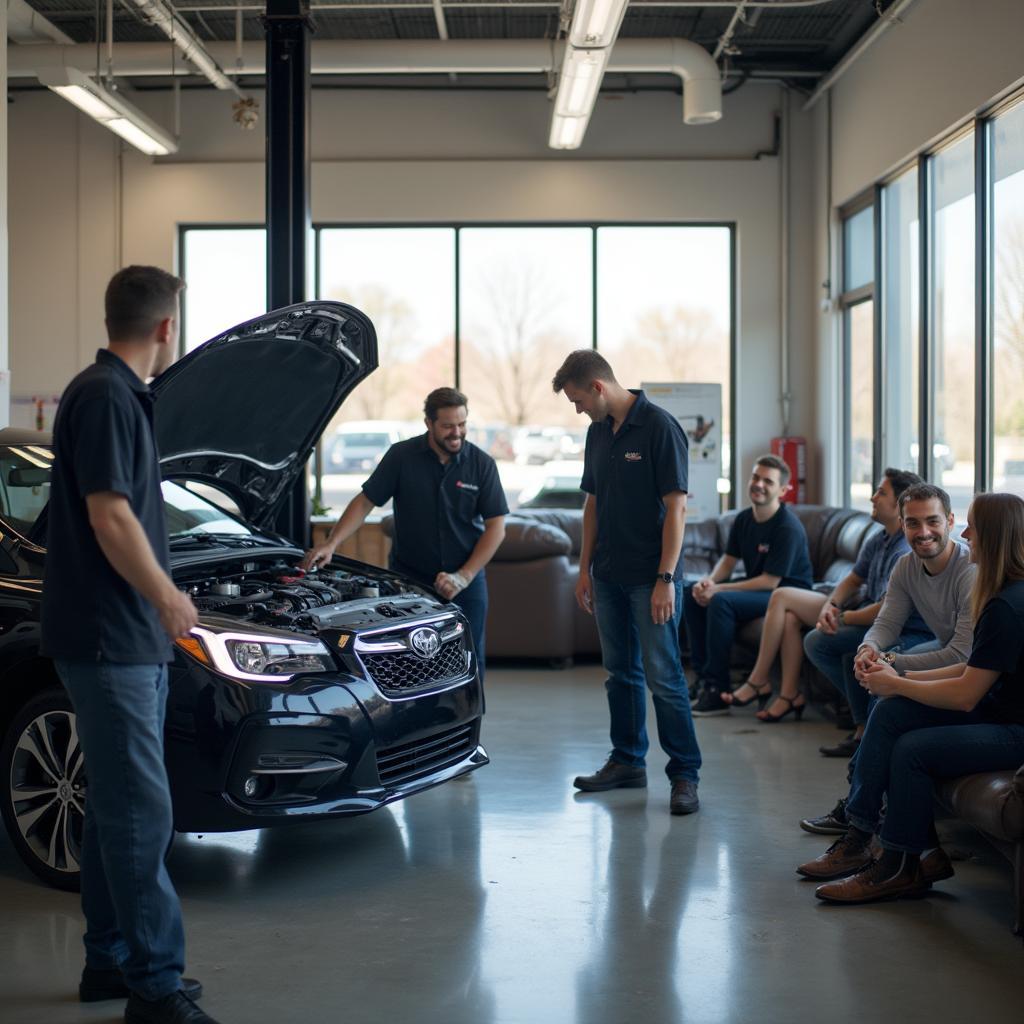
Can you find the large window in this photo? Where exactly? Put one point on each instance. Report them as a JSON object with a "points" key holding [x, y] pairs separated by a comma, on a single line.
{"points": [[493, 311], [1007, 196], [858, 306], [901, 308], [226, 273], [951, 320]]}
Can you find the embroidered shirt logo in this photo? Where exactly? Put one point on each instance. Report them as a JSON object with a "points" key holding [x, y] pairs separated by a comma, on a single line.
{"points": [[633, 457], [763, 548], [465, 486]]}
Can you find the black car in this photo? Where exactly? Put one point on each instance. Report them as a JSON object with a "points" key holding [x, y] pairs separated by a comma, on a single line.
{"points": [[299, 695]]}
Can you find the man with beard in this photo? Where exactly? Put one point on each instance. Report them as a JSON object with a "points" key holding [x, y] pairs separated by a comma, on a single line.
{"points": [[773, 545], [936, 578], [449, 510]]}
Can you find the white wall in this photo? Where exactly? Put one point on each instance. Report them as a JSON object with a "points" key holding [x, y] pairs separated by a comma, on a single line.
{"points": [[946, 60], [80, 208]]}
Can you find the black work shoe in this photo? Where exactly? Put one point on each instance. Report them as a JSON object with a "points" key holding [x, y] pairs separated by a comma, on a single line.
{"points": [[684, 797], [612, 776], [708, 704], [176, 1008], [844, 748], [99, 985], [835, 823]]}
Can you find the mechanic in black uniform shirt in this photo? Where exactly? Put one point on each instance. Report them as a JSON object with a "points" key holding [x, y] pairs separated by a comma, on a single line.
{"points": [[937, 723], [773, 545], [449, 510]]}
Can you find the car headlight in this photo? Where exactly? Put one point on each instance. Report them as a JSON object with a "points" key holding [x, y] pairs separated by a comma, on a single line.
{"points": [[257, 657]]}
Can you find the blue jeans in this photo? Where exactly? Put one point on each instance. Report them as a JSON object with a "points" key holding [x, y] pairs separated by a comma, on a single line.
{"points": [[473, 602], [711, 630], [132, 914], [832, 654], [635, 650], [905, 748]]}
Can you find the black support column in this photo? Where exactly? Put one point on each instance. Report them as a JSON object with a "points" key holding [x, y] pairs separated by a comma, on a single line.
{"points": [[287, 187]]}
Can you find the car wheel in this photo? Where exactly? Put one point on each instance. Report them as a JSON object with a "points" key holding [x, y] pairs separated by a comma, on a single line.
{"points": [[42, 796]]}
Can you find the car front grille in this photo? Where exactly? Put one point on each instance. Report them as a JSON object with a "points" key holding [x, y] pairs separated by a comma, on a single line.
{"points": [[411, 761], [398, 673]]}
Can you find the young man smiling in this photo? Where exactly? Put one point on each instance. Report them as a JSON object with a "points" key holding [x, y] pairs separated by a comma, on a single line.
{"points": [[936, 579], [773, 545]]}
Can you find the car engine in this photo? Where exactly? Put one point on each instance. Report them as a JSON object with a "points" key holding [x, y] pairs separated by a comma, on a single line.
{"points": [[281, 595]]}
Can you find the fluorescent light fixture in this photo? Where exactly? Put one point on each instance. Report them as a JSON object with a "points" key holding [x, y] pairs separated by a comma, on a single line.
{"points": [[567, 132], [580, 82], [109, 109], [595, 23]]}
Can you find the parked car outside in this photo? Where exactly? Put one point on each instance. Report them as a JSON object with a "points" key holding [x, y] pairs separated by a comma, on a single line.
{"points": [[558, 487], [358, 446], [299, 695], [534, 446]]}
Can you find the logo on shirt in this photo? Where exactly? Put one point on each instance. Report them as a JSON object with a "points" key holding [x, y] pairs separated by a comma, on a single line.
{"points": [[634, 457], [465, 486], [763, 548]]}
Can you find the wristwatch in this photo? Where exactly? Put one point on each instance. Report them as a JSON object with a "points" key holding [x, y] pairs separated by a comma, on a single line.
{"points": [[665, 577]]}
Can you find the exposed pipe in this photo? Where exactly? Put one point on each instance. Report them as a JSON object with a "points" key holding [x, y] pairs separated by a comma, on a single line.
{"points": [[880, 27], [442, 25], [192, 49], [692, 63], [730, 31], [25, 25], [383, 5]]}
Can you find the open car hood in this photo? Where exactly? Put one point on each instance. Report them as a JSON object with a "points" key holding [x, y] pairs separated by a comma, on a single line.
{"points": [[243, 411]]}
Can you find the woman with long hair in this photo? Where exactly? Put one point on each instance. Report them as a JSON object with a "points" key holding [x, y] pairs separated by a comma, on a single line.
{"points": [[941, 723]]}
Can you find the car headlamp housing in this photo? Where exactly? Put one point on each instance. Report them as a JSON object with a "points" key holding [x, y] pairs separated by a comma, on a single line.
{"points": [[258, 657]]}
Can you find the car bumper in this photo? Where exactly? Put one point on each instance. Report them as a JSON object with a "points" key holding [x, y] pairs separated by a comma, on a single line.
{"points": [[245, 757]]}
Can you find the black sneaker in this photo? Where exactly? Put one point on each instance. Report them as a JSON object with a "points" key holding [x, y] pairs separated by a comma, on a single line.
{"points": [[612, 775], [98, 985], [708, 704], [176, 1008], [835, 823]]}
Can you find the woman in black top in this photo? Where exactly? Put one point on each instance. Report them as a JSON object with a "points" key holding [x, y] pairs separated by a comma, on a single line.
{"points": [[939, 723]]}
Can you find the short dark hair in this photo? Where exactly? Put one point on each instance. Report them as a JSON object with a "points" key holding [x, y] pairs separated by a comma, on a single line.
{"points": [[443, 398], [774, 462], [925, 492], [901, 479], [580, 368], [137, 299]]}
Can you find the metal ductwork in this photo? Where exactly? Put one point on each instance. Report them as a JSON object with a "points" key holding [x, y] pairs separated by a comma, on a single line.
{"points": [[180, 33], [702, 93]]}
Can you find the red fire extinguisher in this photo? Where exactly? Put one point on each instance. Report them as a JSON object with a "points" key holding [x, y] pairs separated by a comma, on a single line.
{"points": [[793, 452]]}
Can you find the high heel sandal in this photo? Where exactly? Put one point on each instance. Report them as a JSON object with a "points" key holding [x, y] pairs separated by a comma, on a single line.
{"points": [[796, 709], [761, 695]]}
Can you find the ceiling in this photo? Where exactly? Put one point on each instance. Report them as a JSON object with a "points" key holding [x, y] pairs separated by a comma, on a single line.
{"points": [[795, 40]]}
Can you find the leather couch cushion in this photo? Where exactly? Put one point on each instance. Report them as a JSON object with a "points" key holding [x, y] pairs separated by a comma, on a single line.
{"points": [[569, 521], [990, 801], [527, 539]]}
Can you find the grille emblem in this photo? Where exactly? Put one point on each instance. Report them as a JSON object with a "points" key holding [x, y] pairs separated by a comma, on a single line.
{"points": [[425, 642]]}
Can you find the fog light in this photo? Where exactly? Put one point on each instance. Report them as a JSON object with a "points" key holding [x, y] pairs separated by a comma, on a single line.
{"points": [[252, 785]]}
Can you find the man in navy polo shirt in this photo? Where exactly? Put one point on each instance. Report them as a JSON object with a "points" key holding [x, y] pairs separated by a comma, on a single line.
{"points": [[110, 611], [449, 510], [773, 545], [635, 477]]}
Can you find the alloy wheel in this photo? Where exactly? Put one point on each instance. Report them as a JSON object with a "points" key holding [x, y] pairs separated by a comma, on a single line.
{"points": [[47, 789]]}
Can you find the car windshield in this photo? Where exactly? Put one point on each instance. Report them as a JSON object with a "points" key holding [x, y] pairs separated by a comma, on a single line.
{"points": [[25, 490]]}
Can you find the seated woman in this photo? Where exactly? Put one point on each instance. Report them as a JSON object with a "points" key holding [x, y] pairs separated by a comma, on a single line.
{"points": [[839, 629], [940, 723]]}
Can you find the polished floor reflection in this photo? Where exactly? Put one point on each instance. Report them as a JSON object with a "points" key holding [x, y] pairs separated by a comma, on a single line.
{"points": [[508, 899]]}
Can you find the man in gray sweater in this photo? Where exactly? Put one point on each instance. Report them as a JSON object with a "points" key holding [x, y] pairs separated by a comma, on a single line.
{"points": [[936, 578]]}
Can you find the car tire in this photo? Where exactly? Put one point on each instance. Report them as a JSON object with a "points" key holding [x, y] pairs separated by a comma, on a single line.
{"points": [[42, 788]]}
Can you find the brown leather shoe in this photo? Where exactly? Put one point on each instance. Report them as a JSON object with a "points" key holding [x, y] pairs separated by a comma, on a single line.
{"points": [[684, 799], [936, 865], [876, 882], [845, 856]]}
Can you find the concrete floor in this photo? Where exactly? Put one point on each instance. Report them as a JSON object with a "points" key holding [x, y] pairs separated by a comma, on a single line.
{"points": [[508, 899]]}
